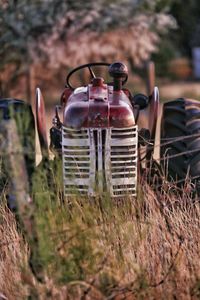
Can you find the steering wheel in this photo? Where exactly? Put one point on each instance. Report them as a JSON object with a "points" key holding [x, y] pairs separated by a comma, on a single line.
{"points": [[89, 66]]}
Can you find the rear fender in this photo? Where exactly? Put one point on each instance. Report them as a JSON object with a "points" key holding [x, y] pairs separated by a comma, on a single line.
{"points": [[148, 116], [41, 123], [154, 102], [21, 112]]}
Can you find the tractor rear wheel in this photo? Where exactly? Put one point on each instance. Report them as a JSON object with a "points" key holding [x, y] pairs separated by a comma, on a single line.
{"points": [[22, 113], [180, 141]]}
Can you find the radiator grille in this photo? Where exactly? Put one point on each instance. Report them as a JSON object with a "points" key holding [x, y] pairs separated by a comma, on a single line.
{"points": [[121, 160], [78, 161], [100, 159]]}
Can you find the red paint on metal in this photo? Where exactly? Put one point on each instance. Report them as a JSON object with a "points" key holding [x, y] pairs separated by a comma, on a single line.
{"points": [[65, 95], [98, 106], [98, 81]]}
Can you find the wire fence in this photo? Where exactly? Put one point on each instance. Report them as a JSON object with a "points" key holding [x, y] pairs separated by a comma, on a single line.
{"points": [[169, 141], [8, 148], [148, 143]]}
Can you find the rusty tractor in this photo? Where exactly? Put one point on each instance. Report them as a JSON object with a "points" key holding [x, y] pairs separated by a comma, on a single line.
{"points": [[106, 137]]}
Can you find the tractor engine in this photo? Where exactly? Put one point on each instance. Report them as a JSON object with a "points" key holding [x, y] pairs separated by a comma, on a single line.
{"points": [[100, 138]]}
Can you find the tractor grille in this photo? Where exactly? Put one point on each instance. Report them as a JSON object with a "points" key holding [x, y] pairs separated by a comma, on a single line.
{"points": [[100, 160], [122, 161]]}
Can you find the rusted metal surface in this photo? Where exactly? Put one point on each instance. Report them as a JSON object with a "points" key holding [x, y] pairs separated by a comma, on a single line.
{"points": [[98, 106]]}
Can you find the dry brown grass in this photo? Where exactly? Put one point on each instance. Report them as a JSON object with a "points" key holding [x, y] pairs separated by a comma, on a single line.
{"points": [[146, 248], [13, 256]]}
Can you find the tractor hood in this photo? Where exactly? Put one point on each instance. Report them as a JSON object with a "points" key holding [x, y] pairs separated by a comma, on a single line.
{"points": [[98, 106]]}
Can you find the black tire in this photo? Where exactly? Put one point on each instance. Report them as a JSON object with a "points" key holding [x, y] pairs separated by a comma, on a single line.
{"points": [[181, 158], [23, 115]]}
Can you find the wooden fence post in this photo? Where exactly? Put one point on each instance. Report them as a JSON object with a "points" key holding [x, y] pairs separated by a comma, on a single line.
{"points": [[150, 77]]}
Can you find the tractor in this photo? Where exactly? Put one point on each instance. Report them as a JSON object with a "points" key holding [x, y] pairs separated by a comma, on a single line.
{"points": [[106, 136], [102, 129]]}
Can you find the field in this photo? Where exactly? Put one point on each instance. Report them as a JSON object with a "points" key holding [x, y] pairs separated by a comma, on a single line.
{"points": [[78, 248], [144, 248]]}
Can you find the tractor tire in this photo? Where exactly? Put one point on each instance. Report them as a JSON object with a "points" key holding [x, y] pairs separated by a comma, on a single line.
{"points": [[180, 158], [22, 113]]}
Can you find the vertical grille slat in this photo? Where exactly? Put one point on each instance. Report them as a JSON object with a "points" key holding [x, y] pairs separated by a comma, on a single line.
{"points": [[100, 159], [122, 154], [78, 152]]}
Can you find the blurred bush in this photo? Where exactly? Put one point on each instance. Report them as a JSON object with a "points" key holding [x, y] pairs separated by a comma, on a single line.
{"points": [[59, 34]]}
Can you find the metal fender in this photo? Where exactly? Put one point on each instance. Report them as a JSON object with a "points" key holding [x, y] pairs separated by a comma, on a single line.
{"points": [[41, 123], [153, 111], [148, 116]]}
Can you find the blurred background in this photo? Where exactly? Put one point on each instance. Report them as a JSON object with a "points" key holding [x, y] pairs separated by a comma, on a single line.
{"points": [[41, 40]]}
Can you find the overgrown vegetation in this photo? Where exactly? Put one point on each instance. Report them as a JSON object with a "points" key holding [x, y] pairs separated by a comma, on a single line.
{"points": [[41, 30], [144, 248], [41, 39]]}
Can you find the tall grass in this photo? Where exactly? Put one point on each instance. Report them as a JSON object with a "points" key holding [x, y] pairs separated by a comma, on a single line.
{"points": [[143, 248]]}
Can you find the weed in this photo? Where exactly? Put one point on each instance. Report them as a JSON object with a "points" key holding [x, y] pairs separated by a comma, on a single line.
{"points": [[144, 248]]}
